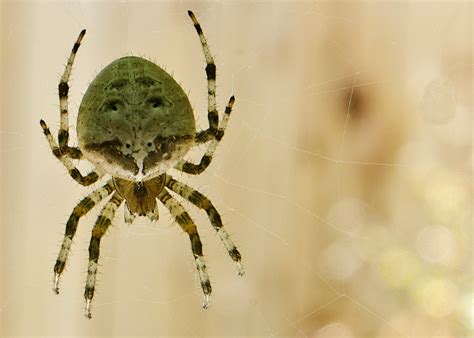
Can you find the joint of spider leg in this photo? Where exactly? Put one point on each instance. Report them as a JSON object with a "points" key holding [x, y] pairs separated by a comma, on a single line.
{"points": [[63, 89], [219, 134], [211, 71], [63, 136], [57, 152], [74, 153], [75, 174], [213, 118]]}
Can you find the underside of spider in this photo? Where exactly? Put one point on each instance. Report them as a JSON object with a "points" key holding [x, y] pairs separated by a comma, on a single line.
{"points": [[134, 123]]}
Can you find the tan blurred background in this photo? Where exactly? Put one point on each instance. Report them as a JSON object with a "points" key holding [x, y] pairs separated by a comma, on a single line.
{"points": [[345, 175]]}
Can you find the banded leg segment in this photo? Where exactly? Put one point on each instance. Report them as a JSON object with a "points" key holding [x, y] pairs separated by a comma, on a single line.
{"points": [[205, 136], [63, 90], [212, 114], [65, 158], [202, 202], [72, 152], [187, 224], [84, 206], [101, 225]]}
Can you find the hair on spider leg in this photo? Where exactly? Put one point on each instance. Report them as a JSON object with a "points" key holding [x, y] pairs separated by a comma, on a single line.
{"points": [[206, 298], [56, 277]]}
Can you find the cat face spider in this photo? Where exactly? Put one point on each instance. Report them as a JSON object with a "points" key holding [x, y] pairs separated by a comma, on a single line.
{"points": [[134, 123]]}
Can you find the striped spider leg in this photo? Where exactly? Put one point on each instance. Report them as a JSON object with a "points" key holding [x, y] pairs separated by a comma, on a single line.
{"points": [[101, 225], [82, 208], [202, 202], [187, 224], [216, 129], [61, 150]]}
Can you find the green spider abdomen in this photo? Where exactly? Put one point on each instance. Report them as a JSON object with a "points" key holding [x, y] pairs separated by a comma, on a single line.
{"points": [[135, 121]]}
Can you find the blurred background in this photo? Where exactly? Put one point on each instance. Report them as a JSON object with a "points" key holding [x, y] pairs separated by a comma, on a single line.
{"points": [[345, 176]]}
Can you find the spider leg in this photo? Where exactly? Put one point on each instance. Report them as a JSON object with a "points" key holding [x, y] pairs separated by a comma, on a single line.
{"points": [[63, 90], [187, 224], [204, 136], [212, 114], [202, 202], [82, 208], [65, 158], [101, 225], [72, 152]]}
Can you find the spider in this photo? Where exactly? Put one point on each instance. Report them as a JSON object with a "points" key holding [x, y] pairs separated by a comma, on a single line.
{"points": [[134, 123]]}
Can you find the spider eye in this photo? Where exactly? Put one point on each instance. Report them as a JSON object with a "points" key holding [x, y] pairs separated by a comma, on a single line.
{"points": [[127, 145], [149, 144]]}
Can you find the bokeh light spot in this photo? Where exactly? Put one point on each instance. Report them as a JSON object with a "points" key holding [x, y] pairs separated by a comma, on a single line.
{"points": [[438, 297], [436, 244], [398, 267], [339, 261]]}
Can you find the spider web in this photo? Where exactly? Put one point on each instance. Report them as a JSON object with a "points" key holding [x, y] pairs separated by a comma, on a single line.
{"points": [[344, 176]]}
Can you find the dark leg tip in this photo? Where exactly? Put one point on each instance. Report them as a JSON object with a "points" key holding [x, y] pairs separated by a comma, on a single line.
{"points": [[79, 39]]}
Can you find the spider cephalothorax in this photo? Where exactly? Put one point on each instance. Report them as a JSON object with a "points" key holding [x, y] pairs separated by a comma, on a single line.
{"points": [[134, 123]]}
